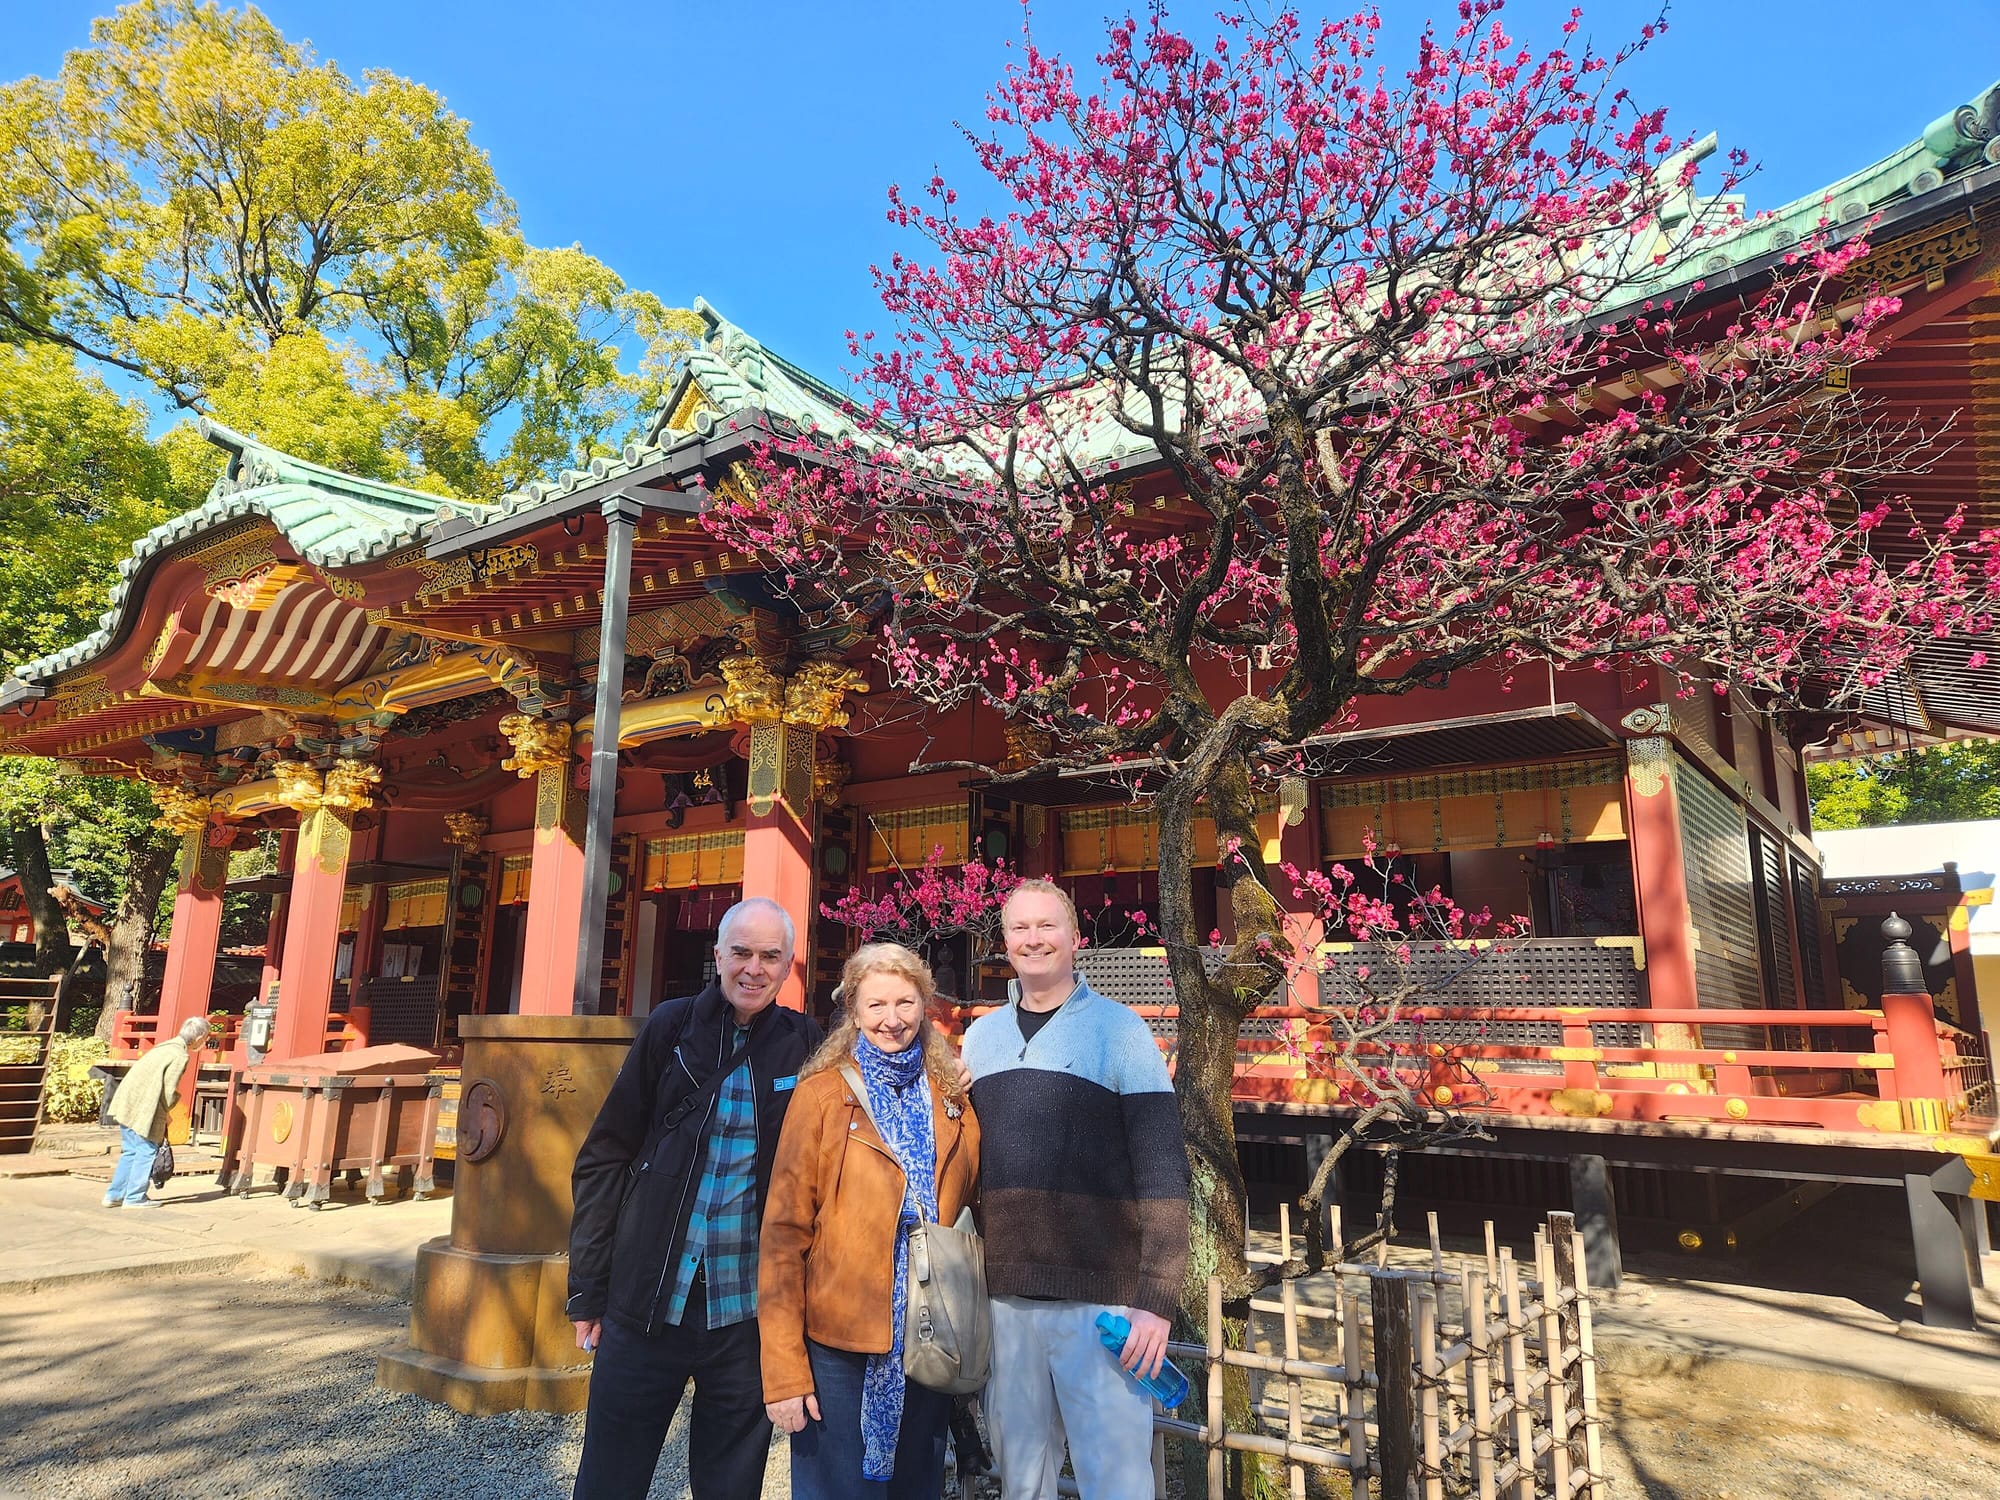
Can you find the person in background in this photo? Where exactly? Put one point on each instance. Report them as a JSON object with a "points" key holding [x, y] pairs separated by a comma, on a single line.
{"points": [[832, 1279], [141, 1105], [1084, 1203], [669, 1188]]}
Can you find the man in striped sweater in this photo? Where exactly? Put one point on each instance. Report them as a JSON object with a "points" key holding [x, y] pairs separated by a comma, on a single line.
{"points": [[1083, 1189]]}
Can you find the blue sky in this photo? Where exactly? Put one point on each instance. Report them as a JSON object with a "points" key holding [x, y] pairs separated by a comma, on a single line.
{"points": [[743, 152]]}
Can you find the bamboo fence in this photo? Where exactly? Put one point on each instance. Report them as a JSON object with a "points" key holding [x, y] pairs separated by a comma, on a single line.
{"points": [[1470, 1376]]}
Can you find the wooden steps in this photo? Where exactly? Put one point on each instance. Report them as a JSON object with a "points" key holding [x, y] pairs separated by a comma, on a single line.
{"points": [[27, 1021]]}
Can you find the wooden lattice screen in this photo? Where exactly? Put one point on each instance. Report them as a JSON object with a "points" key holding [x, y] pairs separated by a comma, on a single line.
{"points": [[1469, 1376], [402, 1010]]}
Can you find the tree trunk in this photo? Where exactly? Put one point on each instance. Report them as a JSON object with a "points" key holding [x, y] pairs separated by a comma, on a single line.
{"points": [[31, 855], [1211, 1016], [154, 857]]}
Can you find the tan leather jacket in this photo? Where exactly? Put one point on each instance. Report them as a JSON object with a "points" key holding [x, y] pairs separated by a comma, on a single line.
{"points": [[826, 1258]]}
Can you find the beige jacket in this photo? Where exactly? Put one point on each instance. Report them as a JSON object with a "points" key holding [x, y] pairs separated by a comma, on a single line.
{"points": [[147, 1094]]}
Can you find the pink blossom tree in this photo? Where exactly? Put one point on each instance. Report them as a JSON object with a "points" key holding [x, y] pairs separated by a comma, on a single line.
{"points": [[1288, 380]]}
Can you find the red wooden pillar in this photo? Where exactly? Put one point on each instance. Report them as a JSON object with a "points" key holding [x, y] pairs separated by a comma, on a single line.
{"points": [[1298, 848], [1659, 873], [555, 894], [374, 911], [312, 915], [778, 839], [197, 929]]}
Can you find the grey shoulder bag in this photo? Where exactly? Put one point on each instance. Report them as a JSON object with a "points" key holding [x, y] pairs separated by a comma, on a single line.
{"points": [[947, 1321]]}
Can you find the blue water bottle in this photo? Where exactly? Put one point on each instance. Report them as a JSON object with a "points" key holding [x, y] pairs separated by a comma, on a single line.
{"points": [[1169, 1387]]}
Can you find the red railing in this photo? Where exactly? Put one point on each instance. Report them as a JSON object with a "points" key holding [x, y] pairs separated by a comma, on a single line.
{"points": [[1902, 1072], [132, 1034]]}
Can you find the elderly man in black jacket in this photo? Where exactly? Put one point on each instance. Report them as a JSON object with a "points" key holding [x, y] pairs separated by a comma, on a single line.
{"points": [[669, 1189]]}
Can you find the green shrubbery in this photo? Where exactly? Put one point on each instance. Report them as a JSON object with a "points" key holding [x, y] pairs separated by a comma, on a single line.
{"points": [[70, 1095]]}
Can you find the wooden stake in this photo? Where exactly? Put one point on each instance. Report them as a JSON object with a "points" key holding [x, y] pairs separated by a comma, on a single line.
{"points": [[1571, 1285], [1293, 1393], [1586, 1366], [1395, 1385], [1427, 1393], [1517, 1377], [1353, 1388], [1479, 1383], [1215, 1376], [1555, 1394]]}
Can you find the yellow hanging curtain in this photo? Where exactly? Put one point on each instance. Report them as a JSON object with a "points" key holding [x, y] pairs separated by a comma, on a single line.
{"points": [[684, 861], [1101, 840], [903, 837], [514, 870], [352, 900], [1508, 807], [418, 903]]}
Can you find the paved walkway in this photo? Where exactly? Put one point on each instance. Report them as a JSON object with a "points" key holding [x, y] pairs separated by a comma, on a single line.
{"points": [[54, 1230]]}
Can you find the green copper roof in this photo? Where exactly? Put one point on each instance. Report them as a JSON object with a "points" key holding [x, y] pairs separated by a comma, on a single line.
{"points": [[1954, 145], [332, 520], [738, 373]]}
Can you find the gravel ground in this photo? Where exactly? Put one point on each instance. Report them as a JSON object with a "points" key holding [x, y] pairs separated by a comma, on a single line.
{"points": [[209, 1386], [221, 1387]]}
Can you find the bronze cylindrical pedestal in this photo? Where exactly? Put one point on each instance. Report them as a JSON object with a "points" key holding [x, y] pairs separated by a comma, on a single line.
{"points": [[487, 1331]]}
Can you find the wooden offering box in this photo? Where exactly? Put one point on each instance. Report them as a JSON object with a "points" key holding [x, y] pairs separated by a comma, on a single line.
{"points": [[310, 1117]]}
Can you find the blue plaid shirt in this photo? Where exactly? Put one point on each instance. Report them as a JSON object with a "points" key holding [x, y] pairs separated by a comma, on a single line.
{"points": [[722, 1231]]}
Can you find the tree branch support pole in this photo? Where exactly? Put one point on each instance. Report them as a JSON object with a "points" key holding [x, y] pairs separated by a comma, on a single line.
{"points": [[621, 517]]}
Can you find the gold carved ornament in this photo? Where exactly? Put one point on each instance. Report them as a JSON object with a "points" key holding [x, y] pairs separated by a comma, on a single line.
{"points": [[539, 744], [829, 777], [752, 693], [1293, 795], [299, 785], [464, 830], [350, 786], [182, 811], [1649, 762], [1027, 747], [816, 696]]}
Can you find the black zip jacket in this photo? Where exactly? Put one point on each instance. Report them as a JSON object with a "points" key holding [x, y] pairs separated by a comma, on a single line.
{"points": [[636, 1172]]}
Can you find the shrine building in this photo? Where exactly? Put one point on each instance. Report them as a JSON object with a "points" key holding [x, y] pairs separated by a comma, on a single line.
{"points": [[407, 689]]}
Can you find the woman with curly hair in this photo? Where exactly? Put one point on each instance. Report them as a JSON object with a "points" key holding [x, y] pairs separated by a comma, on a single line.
{"points": [[831, 1283]]}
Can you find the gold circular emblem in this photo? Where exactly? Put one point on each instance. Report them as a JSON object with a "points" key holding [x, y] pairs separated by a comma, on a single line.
{"points": [[281, 1121]]}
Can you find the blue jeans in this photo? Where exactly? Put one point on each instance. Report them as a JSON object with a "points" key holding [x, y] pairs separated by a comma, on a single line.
{"points": [[826, 1455], [134, 1169]]}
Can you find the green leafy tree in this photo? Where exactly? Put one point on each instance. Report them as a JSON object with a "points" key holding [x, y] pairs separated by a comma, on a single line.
{"points": [[245, 231], [1952, 783], [78, 482], [326, 261]]}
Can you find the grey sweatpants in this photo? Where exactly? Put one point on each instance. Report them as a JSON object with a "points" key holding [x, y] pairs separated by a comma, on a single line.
{"points": [[1050, 1374]]}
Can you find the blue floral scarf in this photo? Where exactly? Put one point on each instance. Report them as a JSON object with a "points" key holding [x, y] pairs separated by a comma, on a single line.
{"points": [[899, 1097]]}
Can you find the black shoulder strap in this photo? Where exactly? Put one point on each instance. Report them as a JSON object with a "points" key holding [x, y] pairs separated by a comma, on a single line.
{"points": [[699, 1098]]}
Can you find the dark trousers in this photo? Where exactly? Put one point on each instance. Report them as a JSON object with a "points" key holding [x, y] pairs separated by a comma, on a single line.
{"points": [[826, 1455], [636, 1385]]}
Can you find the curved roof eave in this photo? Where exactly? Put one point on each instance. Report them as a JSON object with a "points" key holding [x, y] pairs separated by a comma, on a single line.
{"points": [[331, 520]]}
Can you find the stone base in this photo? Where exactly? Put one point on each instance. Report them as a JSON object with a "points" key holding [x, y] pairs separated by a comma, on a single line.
{"points": [[482, 1393], [487, 1334]]}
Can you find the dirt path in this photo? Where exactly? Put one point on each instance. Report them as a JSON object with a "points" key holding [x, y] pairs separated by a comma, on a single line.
{"points": [[1680, 1429]]}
